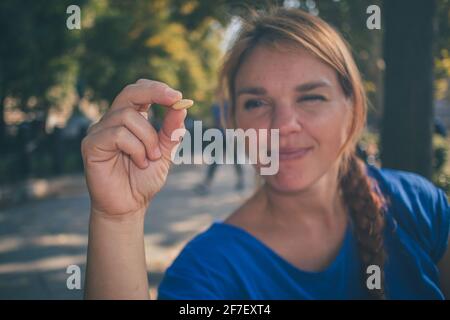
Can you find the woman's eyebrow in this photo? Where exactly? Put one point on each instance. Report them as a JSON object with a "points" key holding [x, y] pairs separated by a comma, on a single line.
{"points": [[301, 88], [251, 90], [312, 85]]}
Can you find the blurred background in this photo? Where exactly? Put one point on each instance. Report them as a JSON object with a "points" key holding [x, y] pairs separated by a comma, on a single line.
{"points": [[55, 82]]}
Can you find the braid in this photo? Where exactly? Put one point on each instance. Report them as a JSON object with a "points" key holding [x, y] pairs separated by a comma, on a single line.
{"points": [[365, 205]]}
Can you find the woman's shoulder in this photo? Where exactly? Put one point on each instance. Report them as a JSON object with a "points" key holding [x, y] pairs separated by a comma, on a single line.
{"points": [[400, 181], [217, 233], [417, 206], [410, 188], [218, 245], [205, 267]]}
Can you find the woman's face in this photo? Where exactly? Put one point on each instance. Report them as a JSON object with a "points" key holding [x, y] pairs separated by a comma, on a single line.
{"points": [[294, 92]]}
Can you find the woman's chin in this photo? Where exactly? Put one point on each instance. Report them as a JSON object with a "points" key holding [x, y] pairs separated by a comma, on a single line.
{"points": [[287, 183]]}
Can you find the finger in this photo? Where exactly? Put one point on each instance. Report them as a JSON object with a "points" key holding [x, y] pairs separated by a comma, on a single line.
{"points": [[138, 125], [145, 92], [168, 137], [115, 139]]}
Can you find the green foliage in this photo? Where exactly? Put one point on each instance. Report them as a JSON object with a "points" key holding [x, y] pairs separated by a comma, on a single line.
{"points": [[441, 151], [442, 55], [441, 163], [37, 53], [176, 42]]}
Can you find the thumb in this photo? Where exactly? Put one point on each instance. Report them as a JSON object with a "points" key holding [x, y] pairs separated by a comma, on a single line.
{"points": [[171, 132]]}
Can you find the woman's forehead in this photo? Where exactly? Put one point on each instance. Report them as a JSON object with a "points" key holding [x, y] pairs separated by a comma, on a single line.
{"points": [[269, 67]]}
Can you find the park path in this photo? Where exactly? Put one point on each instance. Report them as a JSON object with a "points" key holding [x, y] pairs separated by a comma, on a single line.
{"points": [[39, 239]]}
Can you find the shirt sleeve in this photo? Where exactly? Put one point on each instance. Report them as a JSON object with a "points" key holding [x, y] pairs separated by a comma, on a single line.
{"points": [[422, 209]]}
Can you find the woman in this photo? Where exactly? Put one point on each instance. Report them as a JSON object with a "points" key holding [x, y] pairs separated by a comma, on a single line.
{"points": [[314, 230]]}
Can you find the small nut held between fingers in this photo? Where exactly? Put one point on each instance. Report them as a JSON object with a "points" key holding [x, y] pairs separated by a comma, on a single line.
{"points": [[183, 104]]}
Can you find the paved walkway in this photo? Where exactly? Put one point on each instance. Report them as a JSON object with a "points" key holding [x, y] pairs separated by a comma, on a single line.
{"points": [[39, 239]]}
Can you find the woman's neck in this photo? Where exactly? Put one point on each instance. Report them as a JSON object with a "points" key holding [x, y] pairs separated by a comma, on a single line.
{"points": [[319, 203]]}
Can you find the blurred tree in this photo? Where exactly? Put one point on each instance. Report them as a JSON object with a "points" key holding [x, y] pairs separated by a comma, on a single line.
{"points": [[177, 42], [442, 54], [350, 18], [406, 139], [37, 65]]}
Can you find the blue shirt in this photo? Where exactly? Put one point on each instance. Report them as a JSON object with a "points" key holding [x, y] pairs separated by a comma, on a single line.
{"points": [[227, 262]]}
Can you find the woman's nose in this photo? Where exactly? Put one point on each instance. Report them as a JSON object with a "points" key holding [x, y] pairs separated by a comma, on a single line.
{"points": [[286, 120]]}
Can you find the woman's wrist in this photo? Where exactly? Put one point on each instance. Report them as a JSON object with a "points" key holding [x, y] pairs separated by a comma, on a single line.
{"points": [[131, 217], [118, 225]]}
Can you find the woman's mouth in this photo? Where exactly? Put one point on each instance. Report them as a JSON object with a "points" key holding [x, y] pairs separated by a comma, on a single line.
{"points": [[294, 153]]}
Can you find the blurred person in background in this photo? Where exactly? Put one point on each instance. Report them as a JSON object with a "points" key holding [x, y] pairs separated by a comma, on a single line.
{"points": [[204, 187]]}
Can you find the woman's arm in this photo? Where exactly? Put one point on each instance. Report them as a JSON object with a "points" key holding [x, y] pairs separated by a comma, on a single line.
{"points": [[116, 258], [126, 163]]}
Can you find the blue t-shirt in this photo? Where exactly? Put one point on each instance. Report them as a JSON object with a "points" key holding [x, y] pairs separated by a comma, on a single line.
{"points": [[227, 262]]}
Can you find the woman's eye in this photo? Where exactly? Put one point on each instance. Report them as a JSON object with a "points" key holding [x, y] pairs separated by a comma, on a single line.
{"points": [[252, 104], [312, 98]]}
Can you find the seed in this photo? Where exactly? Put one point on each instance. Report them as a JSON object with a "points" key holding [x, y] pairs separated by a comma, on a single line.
{"points": [[183, 104]]}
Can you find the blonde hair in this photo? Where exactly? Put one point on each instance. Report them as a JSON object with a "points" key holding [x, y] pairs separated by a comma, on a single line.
{"points": [[280, 27]]}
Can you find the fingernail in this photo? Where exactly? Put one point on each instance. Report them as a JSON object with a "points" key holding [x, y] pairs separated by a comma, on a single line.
{"points": [[173, 94]]}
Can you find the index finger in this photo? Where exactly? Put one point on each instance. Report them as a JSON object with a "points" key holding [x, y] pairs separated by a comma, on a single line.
{"points": [[144, 93]]}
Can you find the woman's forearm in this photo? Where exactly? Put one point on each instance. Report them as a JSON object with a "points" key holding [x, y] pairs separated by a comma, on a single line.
{"points": [[116, 267]]}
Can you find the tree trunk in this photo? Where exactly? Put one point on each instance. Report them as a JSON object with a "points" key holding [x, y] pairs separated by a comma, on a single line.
{"points": [[406, 137]]}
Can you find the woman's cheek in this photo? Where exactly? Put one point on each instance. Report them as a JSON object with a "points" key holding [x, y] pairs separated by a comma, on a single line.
{"points": [[248, 121], [333, 130]]}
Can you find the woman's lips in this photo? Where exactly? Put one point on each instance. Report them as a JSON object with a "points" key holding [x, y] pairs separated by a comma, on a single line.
{"points": [[288, 154]]}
